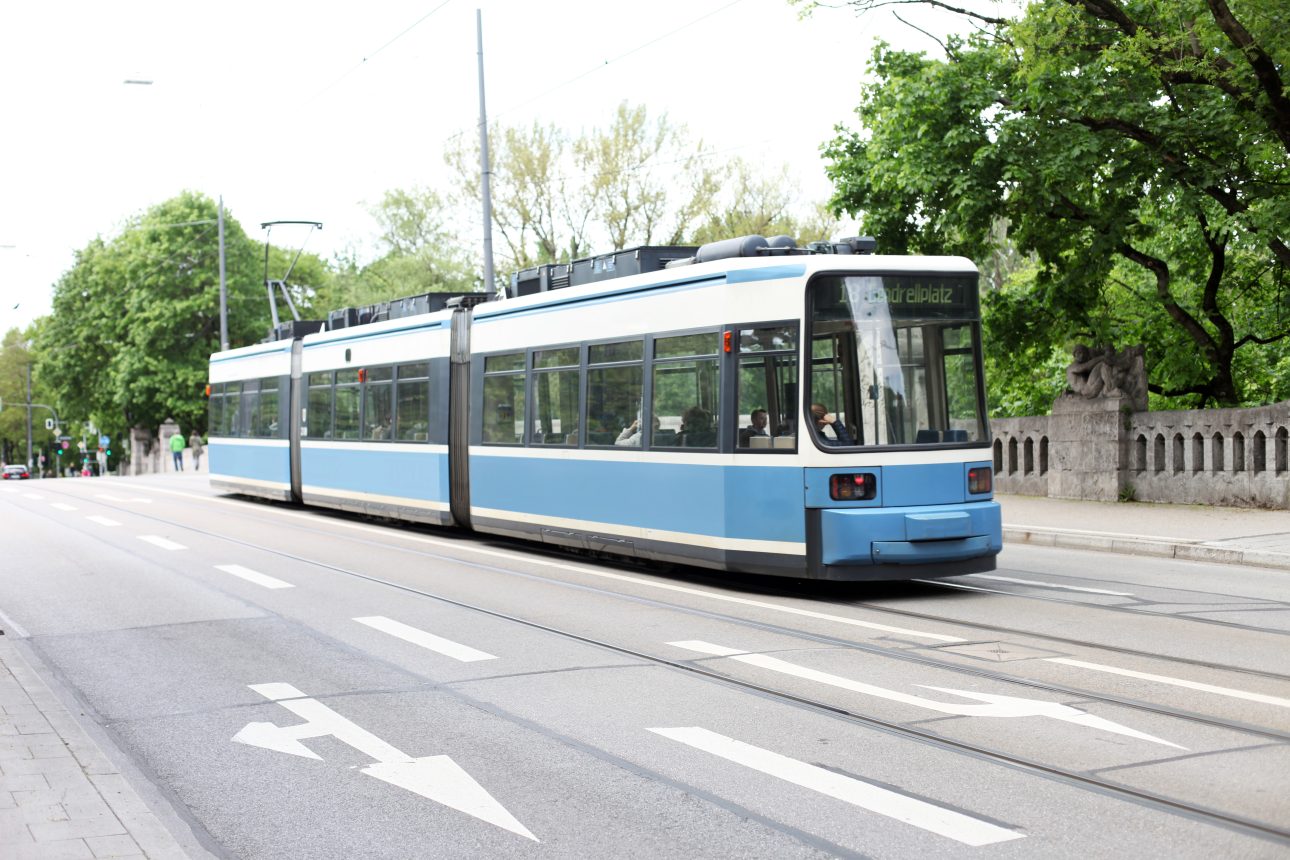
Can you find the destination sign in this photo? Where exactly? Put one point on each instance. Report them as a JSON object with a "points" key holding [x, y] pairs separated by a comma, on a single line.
{"points": [[904, 296], [907, 293]]}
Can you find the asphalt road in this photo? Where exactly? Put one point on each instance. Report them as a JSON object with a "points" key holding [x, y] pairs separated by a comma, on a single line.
{"points": [[290, 683]]}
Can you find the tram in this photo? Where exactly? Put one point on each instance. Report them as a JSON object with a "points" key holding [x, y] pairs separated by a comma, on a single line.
{"points": [[746, 405]]}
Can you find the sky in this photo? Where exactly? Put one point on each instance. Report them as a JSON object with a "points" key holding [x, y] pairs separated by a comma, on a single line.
{"points": [[312, 110]]}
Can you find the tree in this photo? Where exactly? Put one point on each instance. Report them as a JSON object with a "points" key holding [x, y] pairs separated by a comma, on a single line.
{"points": [[556, 198], [1140, 151], [15, 358], [419, 253], [753, 202], [136, 318]]}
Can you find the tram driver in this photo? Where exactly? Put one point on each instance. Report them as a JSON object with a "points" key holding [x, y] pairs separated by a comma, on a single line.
{"points": [[824, 418]]}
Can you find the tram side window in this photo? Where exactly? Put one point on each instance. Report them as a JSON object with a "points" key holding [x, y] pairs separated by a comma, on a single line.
{"points": [[615, 389], [348, 400], [503, 408], [768, 388], [216, 407], [555, 396], [231, 420], [250, 408], [830, 374], [685, 375], [412, 396], [318, 425], [963, 418], [378, 404], [264, 416]]}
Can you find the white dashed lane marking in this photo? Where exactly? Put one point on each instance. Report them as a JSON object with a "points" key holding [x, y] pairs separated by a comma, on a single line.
{"points": [[429, 641], [156, 540], [253, 576], [1174, 682], [918, 813]]}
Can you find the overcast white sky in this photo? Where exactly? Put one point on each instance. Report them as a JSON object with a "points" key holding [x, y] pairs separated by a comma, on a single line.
{"points": [[309, 110]]}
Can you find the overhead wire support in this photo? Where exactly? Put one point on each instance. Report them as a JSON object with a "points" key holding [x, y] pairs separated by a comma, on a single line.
{"points": [[281, 283]]}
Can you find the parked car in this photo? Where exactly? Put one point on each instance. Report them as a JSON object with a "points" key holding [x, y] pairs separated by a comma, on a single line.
{"points": [[16, 473]]}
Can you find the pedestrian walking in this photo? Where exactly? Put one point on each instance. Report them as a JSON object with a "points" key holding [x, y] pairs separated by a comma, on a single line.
{"points": [[177, 451], [195, 442]]}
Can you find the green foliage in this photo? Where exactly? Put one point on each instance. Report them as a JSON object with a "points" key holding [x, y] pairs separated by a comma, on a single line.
{"points": [[420, 255], [15, 357], [641, 180], [137, 316], [1137, 153]]}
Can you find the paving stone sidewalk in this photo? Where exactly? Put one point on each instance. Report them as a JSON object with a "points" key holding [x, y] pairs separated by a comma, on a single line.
{"points": [[60, 797]]}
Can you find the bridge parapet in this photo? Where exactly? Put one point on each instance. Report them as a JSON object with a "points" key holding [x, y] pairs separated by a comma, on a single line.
{"points": [[1101, 449]]}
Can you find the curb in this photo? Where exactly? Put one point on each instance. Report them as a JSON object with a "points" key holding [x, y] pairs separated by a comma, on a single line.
{"points": [[1128, 545]]}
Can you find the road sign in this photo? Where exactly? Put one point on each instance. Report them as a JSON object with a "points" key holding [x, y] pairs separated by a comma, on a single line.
{"points": [[66, 443], [49, 423], [105, 440]]}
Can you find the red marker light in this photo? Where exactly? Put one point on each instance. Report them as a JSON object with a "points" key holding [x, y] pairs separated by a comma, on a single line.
{"points": [[980, 480]]}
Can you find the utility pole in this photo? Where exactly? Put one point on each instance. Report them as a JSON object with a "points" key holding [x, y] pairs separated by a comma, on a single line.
{"points": [[223, 285], [29, 413], [489, 284]]}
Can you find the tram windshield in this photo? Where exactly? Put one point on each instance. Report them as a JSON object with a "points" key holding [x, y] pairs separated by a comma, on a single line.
{"points": [[895, 360]]}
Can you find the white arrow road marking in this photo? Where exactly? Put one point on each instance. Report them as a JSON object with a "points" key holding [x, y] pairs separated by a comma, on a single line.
{"points": [[156, 540], [103, 521], [429, 641], [919, 813], [61, 506], [437, 778], [995, 705], [253, 576]]}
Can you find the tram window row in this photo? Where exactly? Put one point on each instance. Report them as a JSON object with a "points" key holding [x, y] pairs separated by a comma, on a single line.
{"points": [[372, 404], [250, 409], [656, 392]]}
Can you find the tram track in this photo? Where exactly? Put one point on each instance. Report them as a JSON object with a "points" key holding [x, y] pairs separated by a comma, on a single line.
{"points": [[699, 668], [919, 657], [1128, 609]]}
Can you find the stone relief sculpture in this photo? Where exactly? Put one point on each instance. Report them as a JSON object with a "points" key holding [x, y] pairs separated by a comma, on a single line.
{"points": [[1108, 373]]}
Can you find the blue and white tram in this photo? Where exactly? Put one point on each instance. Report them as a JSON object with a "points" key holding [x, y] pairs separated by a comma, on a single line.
{"points": [[749, 408]]}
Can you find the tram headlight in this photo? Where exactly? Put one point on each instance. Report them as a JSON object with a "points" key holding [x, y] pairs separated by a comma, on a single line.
{"points": [[852, 488], [980, 480]]}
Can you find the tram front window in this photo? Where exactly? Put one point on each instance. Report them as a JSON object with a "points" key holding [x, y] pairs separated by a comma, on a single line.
{"points": [[896, 358]]}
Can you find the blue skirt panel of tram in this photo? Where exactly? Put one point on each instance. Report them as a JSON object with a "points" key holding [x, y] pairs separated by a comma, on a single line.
{"points": [[257, 467], [689, 512], [409, 483]]}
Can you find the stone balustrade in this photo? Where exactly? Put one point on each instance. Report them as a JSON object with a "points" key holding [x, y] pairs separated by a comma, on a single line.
{"points": [[1102, 449]]}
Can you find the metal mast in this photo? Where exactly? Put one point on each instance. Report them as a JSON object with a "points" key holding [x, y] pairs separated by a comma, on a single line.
{"points": [[489, 281]]}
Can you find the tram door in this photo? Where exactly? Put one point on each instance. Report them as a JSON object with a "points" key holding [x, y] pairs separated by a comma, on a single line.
{"points": [[295, 410]]}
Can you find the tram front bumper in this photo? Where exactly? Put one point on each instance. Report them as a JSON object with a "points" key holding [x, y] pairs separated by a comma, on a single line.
{"points": [[938, 534]]}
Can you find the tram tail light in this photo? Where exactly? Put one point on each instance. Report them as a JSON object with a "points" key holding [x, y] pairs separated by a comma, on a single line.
{"points": [[852, 488], [980, 480]]}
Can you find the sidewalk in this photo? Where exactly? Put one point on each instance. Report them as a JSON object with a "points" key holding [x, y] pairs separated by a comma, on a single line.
{"points": [[60, 797], [1192, 532]]}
